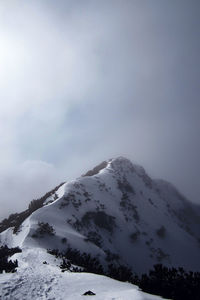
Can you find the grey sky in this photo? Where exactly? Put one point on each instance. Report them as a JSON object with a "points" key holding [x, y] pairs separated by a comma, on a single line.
{"points": [[83, 81]]}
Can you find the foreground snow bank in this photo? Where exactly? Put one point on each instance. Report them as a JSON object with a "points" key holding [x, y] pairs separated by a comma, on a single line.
{"points": [[35, 280]]}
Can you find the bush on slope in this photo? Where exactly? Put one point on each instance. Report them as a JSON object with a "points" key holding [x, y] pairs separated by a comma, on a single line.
{"points": [[5, 264], [176, 284]]}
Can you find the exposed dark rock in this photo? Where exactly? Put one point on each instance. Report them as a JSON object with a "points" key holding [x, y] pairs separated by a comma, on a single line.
{"points": [[96, 169], [89, 293]]}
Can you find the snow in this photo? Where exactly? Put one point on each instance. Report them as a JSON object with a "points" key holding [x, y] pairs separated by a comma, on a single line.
{"points": [[150, 205], [35, 280]]}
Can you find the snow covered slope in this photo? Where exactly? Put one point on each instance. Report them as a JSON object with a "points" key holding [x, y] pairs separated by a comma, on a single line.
{"points": [[118, 213], [35, 280]]}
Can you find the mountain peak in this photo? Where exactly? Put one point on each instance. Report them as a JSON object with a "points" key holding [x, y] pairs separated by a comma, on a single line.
{"points": [[115, 201], [121, 164]]}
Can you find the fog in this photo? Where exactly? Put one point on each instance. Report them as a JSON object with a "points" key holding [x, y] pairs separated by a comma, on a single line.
{"points": [[84, 81]]}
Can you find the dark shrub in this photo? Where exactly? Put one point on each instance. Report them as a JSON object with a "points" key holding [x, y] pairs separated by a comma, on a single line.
{"points": [[5, 264], [172, 283], [64, 240], [43, 229], [134, 236], [15, 220], [100, 219], [122, 273], [161, 232]]}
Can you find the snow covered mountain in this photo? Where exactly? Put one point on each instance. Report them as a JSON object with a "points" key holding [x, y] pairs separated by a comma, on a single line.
{"points": [[119, 214]]}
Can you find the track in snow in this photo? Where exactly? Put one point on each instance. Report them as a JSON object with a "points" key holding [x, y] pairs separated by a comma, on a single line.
{"points": [[35, 280]]}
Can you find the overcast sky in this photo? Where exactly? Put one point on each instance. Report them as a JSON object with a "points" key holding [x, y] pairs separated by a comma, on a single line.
{"points": [[84, 81]]}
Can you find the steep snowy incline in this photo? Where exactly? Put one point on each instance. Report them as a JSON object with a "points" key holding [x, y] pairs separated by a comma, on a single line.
{"points": [[35, 280], [118, 213]]}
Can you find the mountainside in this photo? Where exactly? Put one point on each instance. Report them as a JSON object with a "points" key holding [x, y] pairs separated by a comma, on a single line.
{"points": [[119, 214]]}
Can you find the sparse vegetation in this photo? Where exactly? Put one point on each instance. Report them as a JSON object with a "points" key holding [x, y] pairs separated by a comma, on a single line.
{"points": [[120, 272], [43, 229], [127, 206], [161, 255], [91, 265], [125, 186], [15, 220], [100, 219], [151, 202], [134, 236], [70, 198], [86, 261], [94, 238], [5, 264], [64, 240], [176, 284], [161, 232], [110, 257], [171, 283]]}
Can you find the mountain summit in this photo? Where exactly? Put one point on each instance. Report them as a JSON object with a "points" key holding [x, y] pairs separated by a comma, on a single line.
{"points": [[117, 213]]}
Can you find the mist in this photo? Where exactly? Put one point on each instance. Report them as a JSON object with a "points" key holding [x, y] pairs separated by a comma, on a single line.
{"points": [[81, 82]]}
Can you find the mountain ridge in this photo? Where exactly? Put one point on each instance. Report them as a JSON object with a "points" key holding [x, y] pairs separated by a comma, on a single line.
{"points": [[119, 214]]}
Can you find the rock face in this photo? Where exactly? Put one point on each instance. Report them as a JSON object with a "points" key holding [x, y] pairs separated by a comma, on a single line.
{"points": [[118, 213]]}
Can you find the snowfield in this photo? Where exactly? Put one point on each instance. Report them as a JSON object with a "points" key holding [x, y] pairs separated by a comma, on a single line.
{"points": [[35, 280]]}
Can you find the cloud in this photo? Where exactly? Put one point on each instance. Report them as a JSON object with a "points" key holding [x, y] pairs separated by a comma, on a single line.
{"points": [[81, 82], [22, 183]]}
